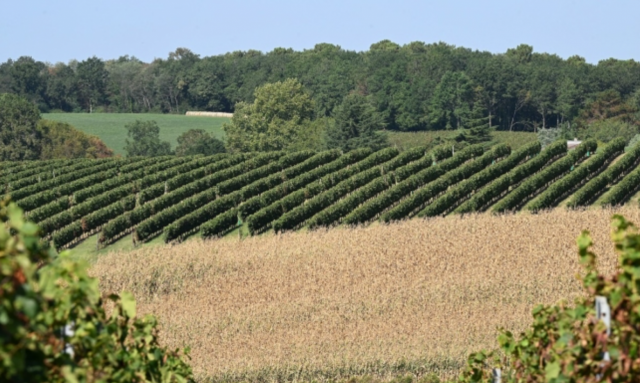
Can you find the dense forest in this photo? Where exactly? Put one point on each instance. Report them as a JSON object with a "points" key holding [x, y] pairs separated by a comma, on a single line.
{"points": [[417, 86]]}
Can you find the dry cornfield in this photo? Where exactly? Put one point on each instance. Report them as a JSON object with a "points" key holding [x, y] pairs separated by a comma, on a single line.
{"points": [[385, 300]]}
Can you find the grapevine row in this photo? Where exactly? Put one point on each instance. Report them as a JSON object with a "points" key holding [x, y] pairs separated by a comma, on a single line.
{"points": [[261, 211], [560, 189], [597, 185], [148, 224], [431, 190], [498, 188], [192, 221], [452, 198], [300, 214], [335, 212], [528, 189], [396, 193]]}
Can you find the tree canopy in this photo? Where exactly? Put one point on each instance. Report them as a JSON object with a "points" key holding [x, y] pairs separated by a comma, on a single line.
{"points": [[279, 116], [19, 137], [145, 140], [61, 140], [356, 125], [416, 86], [197, 141]]}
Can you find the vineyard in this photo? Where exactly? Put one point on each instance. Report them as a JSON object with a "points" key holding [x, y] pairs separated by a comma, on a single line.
{"points": [[178, 197]]}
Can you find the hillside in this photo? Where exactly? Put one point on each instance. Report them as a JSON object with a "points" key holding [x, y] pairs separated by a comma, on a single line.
{"points": [[413, 297], [109, 127], [177, 197]]}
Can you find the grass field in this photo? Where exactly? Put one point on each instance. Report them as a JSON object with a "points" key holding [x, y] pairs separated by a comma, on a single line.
{"points": [[110, 126], [386, 300]]}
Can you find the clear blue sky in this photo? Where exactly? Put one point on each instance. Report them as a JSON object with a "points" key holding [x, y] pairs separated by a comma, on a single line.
{"points": [[61, 30]]}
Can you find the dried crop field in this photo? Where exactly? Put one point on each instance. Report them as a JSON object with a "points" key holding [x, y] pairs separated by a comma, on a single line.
{"points": [[385, 300]]}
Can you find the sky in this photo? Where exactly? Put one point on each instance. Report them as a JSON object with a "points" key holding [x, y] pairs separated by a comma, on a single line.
{"points": [[62, 30]]}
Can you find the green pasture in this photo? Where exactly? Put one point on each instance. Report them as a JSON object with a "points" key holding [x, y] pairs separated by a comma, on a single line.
{"points": [[110, 126]]}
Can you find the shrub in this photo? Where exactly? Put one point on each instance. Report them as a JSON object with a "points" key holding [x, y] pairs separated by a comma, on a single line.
{"points": [[566, 343], [41, 295]]}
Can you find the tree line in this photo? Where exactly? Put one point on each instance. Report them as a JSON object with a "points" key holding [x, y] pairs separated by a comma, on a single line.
{"points": [[413, 87]]}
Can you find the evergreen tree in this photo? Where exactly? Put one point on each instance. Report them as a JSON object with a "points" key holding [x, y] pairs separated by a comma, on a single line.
{"points": [[357, 125], [476, 129]]}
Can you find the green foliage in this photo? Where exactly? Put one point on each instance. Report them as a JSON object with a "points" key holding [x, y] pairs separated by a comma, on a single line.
{"points": [[221, 224], [333, 213], [20, 138], [61, 140], [477, 128], [431, 190], [598, 185], [235, 191], [565, 342], [607, 130], [62, 180], [457, 194], [498, 188], [533, 185], [181, 186], [410, 178], [197, 141], [356, 125], [145, 140], [366, 173], [416, 86], [190, 197], [577, 177], [548, 136], [623, 190], [451, 103], [41, 295], [261, 211], [280, 114]]}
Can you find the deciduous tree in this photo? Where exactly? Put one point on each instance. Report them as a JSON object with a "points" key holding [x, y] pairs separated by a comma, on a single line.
{"points": [[19, 137], [145, 140], [281, 112], [197, 141]]}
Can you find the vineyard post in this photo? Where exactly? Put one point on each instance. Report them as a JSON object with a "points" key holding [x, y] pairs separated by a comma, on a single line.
{"points": [[603, 313], [67, 331], [497, 375]]}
